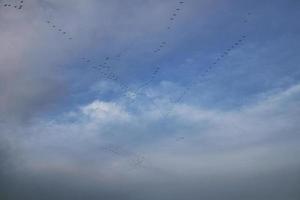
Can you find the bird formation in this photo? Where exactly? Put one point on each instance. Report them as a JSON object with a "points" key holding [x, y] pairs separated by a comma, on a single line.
{"points": [[158, 49], [237, 43], [106, 70], [161, 46], [105, 67], [17, 5], [55, 27], [172, 19], [131, 94], [213, 65]]}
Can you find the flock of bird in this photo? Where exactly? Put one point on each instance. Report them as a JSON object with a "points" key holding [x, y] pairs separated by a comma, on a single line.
{"points": [[53, 26], [172, 20], [212, 66], [105, 69], [160, 47], [9, 4]]}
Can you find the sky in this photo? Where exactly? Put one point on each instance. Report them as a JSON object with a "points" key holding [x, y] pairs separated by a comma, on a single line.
{"points": [[149, 99]]}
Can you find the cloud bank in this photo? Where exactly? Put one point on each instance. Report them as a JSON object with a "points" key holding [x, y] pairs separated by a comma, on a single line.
{"points": [[233, 152]]}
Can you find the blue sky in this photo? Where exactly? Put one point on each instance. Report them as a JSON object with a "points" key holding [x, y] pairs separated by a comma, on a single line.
{"points": [[122, 99]]}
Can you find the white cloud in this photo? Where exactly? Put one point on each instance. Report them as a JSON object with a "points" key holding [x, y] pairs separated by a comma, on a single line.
{"points": [[251, 133], [105, 112]]}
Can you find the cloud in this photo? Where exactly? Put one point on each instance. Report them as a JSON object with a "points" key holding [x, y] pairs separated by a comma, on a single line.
{"points": [[104, 111], [109, 147]]}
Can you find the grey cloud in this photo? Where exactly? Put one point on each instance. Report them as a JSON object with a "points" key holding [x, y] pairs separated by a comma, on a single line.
{"points": [[246, 154]]}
